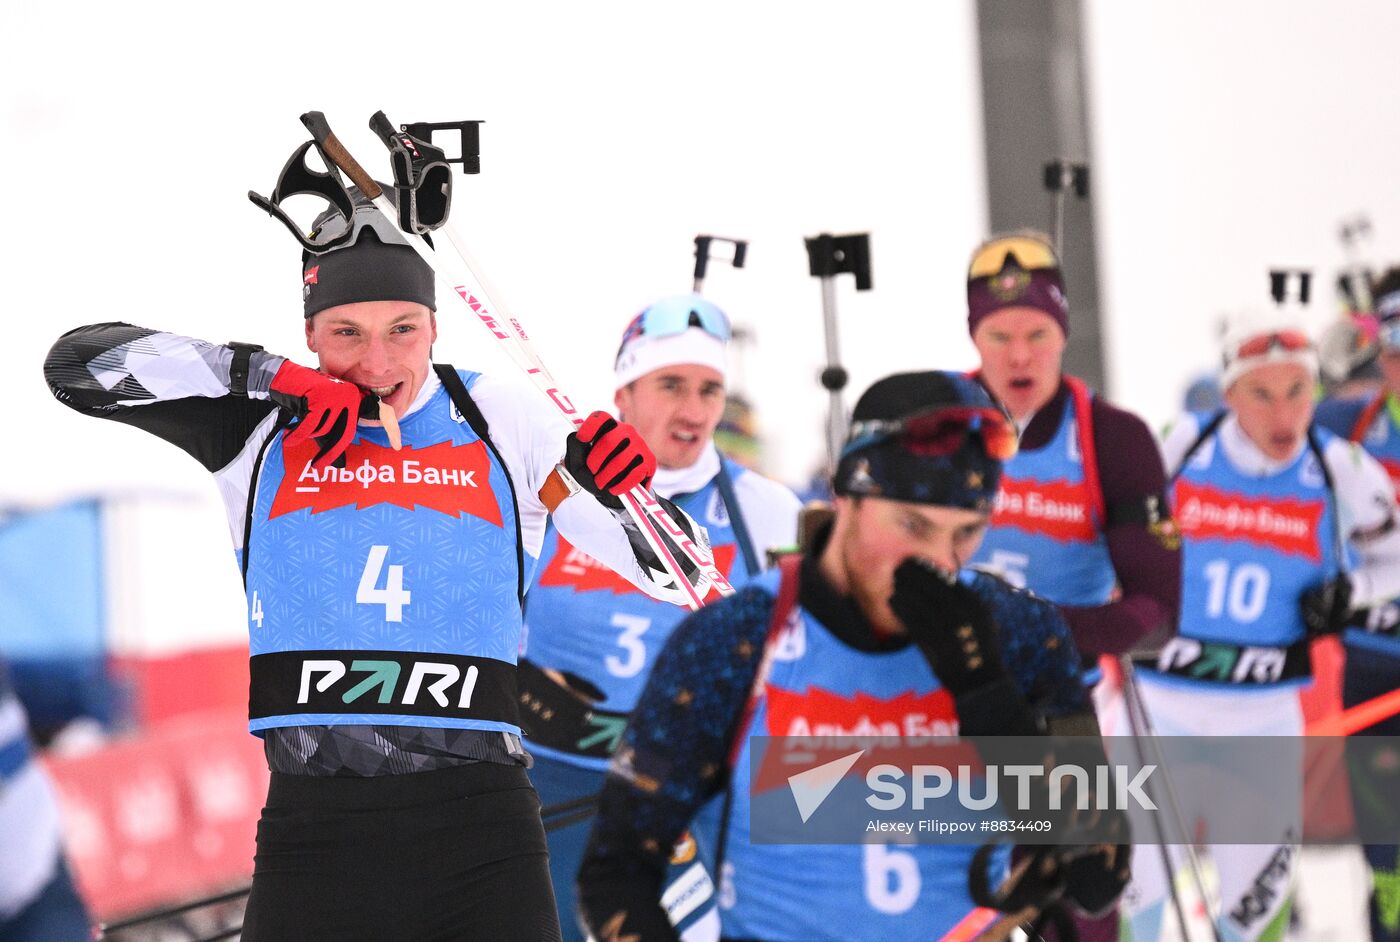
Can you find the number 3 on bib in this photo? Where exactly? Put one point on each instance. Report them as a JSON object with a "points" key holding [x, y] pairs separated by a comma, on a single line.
{"points": [[393, 596], [630, 641]]}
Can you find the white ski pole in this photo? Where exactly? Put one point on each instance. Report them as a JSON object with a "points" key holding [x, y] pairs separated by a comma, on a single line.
{"points": [[1140, 724], [474, 292]]}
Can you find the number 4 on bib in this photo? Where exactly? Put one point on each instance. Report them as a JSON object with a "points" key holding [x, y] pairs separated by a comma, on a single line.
{"points": [[393, 596]]}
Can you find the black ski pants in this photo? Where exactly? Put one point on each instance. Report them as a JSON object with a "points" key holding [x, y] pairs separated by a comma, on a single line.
{"points": [[453, 854]]}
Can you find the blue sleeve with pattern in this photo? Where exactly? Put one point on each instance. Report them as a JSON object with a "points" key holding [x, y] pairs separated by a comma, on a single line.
{"points": [[1037, 647], [673, 758]]}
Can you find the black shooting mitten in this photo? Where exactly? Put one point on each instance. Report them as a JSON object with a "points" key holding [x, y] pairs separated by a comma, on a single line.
{"points": [[1326, 608], [950, 624], [1097, 878], [959, 635]]}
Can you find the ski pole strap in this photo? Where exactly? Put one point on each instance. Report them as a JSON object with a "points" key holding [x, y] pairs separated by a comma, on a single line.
{"points": [[725, 484], [469, 140], [422, 178]]}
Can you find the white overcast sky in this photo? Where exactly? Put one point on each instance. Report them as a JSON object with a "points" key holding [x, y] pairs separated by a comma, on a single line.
{"points": [[615, 133], [1225, 138]]}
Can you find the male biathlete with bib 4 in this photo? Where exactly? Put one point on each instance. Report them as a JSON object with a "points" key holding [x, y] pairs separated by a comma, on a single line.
{"points": [[384, 588], [877, 622], [591, 637], [1286, 529], [1373, 645]]}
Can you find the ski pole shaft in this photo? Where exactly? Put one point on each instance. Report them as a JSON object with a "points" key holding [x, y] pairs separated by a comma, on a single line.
{"points": [[971, 926], [651, 518], [474, 289], [1137, 728], [1137, 706]]}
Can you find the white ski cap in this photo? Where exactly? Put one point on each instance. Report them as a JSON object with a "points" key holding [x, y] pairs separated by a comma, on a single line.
{"points": [[645, 355], [1262, 338]]}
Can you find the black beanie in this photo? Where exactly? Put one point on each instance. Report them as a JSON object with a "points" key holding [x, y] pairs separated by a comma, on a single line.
{"points": [[882, 467], [377, 264]]}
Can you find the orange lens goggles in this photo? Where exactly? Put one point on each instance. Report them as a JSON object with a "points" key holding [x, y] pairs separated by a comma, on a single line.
{"points": [[940, 433], [1291, 340], [1029, 253]]}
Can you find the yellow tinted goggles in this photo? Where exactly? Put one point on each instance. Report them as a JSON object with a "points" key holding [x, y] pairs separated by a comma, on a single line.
{"points": [[1028, 253]]}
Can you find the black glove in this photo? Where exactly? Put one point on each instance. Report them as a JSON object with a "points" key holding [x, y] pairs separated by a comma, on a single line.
{"points": [[1098, 878], [950, 624], [1045, 877], [608, 458], [1326, 607]]}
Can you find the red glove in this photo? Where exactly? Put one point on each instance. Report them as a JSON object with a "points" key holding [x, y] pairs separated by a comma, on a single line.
{"points": [[608, 458], [327, 407]]}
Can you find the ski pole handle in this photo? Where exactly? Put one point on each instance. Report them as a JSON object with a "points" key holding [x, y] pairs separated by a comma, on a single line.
{"points": [[320, 129]]}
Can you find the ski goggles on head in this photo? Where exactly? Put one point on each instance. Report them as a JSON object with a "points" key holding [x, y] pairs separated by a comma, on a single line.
{"points": [[333, 230], [1292, 341], [940, 433], [1028, 252], [671, 316]]}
